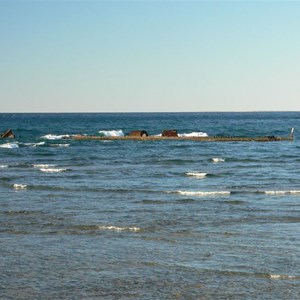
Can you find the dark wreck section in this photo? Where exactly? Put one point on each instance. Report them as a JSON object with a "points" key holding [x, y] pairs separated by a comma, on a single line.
{"points": [[7, 134]]}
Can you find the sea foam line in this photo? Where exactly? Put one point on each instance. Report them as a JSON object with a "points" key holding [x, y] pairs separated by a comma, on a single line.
{"points": [[52, 170], [208, 193], [34, 144], [278, 276], [200, 193], [60, 145], [282, 192], [43, 166], [116, 228]]}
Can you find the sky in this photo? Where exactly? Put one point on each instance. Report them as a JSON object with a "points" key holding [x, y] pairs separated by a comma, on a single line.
{"points": [[149, 56]]}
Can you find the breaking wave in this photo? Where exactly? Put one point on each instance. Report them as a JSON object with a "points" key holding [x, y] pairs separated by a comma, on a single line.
{"points": [[200, 193], [282, 192], [196, 174], [111, 132], [116, 228], [43, 166], [55, 137], [193, 134], [217, 159], [9, 145], [52, 170], [34, 144], [207, 193], [60, 145], [18, 186], [278, 276]]}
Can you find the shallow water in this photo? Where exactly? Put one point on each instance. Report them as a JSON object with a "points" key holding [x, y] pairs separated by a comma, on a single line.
{"points": [[133, 220]]}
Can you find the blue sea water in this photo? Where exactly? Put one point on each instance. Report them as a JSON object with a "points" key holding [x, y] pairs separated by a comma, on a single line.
{"points": [[149, 219]]}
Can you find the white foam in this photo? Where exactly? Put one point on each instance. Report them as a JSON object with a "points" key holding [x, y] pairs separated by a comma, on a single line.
{"points": [[116, 228], [60, 145], [3, 166], [200, 193], [48, 170], [196, 174], [10, 145], [44, 166], [282, 192], [55, 137], [34, 144], [278, 276], [217, 159], [112, 132], [193, 134], [19, 186]]}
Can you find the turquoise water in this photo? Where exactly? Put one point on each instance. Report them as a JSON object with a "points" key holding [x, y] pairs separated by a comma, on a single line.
{"points": [[149, 219]]}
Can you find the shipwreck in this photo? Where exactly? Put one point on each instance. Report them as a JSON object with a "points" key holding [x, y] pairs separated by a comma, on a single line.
{"points": [[142, 135]]}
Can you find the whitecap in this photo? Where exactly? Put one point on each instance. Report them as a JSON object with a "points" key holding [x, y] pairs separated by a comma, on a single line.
{"points": [[55, 137], [116, 228], [217, 159], [278, 276], [60, 145], [19, 186], [200, 193], [282, 192], [3, 166], [52, 170], [193, 134], [196, 174], [34, 144], [113, 133], [43, 166], [10, 145]]}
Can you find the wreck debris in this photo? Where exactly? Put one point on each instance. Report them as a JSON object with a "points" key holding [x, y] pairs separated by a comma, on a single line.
{"points": [[169, 133], [138, 133], [8, 134]]}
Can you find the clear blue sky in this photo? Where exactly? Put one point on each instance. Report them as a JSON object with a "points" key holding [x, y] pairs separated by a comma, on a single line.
{"points": [[123, 56]]}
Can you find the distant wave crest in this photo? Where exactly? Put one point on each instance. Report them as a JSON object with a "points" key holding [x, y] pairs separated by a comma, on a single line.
{"points": [[196, 174], [282, 192], [217, 159], [18, 186], [34, 144], [52, 170], [116, 228], [207, 193], [201, 193], [43, 166], [193, 134], [111, 132], [60, 145], [278, 276], [9, 145], [55, 137]]}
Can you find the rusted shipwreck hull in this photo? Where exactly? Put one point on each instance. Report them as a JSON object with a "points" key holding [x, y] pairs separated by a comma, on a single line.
{"points": [[184, 138]]}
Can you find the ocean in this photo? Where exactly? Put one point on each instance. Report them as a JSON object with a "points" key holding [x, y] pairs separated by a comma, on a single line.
{"points": [[162, 219]]}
